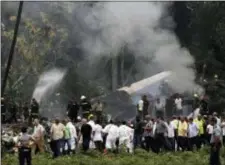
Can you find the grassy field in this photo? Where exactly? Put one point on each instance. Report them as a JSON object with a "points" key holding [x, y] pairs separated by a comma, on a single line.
{"points": [[139, 158]]}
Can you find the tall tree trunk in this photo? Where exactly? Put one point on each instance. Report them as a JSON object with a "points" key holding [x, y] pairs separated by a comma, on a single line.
{"points": [[114, 72], [122, 68]]}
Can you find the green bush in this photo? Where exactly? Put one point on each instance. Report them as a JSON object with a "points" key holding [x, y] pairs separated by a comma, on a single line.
{"points": [[139, 158]]}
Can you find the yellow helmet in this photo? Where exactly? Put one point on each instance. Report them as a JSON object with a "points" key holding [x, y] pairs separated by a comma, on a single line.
{"points": [[91, 115]]}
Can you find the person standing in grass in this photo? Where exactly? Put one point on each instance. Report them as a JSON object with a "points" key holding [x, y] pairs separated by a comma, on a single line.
{"points": [[216, 141], [86, 131], [24, 147], [192, 134], [209, 131], [38, 135], [57, 133], [182, 134], [97, 136]]}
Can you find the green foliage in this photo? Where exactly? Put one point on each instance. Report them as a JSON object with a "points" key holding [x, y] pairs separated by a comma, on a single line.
{"points": [[139, 158]]}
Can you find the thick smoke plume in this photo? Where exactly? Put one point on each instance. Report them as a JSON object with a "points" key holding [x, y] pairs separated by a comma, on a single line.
{"points": [[146, 28], [141, 27]]}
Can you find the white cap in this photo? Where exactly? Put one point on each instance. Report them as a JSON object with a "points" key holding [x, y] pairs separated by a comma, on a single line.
{"points": [[78, 118], [82, 97]]}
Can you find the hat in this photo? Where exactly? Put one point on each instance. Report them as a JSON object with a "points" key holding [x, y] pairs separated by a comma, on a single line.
{"points": [[78, 118]]}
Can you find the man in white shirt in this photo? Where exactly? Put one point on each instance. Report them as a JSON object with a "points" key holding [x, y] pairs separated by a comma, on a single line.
{"points": [[92, 124], [171, 134], [209, 130], [112, 132], [124, 135], [97, 136], [192, 134], [38, 136], [131, 139], [179, 107]]}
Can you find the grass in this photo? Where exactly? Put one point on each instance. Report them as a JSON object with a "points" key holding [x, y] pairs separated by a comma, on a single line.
{"points": [[139, 158]]}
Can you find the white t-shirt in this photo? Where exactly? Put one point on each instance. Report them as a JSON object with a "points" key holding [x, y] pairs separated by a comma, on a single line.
{"points": [[210, 129], [178, 102], [159, 106], [223, 128], [170, 129], [124, 132], [192, 130], [97, 133], [112, 131]]}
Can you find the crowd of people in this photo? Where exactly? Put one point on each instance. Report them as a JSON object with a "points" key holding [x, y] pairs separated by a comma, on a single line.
{"points": [[74, 134]]}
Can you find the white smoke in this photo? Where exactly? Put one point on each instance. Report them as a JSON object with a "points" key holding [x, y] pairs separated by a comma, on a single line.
{"points": [[105, 27], [139, 26], [47, 83]]}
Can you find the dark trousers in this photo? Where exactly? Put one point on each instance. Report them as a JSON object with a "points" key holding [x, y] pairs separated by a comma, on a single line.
{"points": [[208, 137], [147, 143], [179, 112], [161, 142], [193, 141], [66, 142], [86, 143], [56, 147], [199, 141], [159, 113], [172, 143], [140, 115], [215, 155], [26, 117], [99, 115], [98, 145], [137, 140], [182, 142], [73, 116], [25, 156]]}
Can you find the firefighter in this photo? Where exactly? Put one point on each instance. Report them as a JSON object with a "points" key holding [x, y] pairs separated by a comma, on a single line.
{"points": [[85, 107], [26, 111], [72, 110], [98, 110], [34, 112], [13, 109]]}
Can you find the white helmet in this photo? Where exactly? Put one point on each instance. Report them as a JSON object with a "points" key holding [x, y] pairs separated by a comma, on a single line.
{"points": [[82, 97]]}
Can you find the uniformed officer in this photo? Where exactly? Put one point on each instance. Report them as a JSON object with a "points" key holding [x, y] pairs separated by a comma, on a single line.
{"points": [[85, 106], [24, 145], [34, 109]]}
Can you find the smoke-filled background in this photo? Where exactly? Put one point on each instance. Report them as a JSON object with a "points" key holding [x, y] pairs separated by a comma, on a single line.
{"points": [[103, 45], [147, 31]]}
